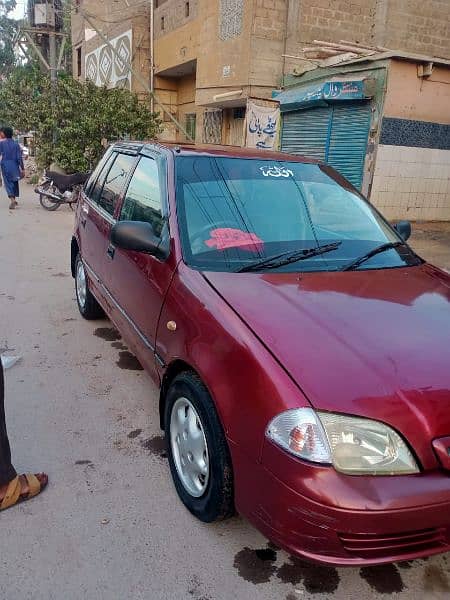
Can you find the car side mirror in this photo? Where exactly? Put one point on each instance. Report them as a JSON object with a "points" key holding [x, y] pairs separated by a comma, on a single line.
{"points": [[403, 228], [138, 236]]}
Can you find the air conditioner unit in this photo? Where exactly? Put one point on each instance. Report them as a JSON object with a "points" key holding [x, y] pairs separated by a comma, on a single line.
{"points": [[44, 15]]}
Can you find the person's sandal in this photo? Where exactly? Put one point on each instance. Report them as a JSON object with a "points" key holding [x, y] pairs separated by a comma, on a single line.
{"points": [[13, 495]]}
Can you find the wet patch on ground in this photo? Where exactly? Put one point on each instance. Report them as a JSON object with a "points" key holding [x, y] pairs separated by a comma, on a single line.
{"points": [[60, 275], [384, 579], [134, 434], [129, 362], [156, 445], [83, 462], [266, 554], [258, 566], [109, 334], [252, 568], [119, 346], [316, 579]]}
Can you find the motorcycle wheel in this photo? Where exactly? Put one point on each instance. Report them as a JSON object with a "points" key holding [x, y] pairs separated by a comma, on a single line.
{"points": [[45, 201]]}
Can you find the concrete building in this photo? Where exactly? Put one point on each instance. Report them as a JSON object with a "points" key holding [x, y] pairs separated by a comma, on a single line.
{"points": [[373, 99], [211, 56], [383, 121]]}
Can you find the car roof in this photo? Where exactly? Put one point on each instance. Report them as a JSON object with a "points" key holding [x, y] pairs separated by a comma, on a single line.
{"points": [[213, 150]]}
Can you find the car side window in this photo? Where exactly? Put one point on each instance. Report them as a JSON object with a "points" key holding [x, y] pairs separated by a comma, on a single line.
{"points": [[89, 185], [115, 182], [94, 190], [143, 198]]}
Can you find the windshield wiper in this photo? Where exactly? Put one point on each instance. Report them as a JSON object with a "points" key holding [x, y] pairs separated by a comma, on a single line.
{"points": [[271, 262], [358, 261]]}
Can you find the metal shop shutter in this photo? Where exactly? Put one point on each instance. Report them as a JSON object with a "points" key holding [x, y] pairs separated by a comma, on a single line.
{"points": [[336, 134], [347, 144], [306, 131]]}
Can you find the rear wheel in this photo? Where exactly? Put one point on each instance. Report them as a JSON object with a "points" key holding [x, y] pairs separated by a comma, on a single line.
{"points": [[198, 453], [88, 306], [45, 201]]}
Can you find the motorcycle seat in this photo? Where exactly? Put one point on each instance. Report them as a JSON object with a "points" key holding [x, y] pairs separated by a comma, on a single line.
{"points": [[66, 183]]}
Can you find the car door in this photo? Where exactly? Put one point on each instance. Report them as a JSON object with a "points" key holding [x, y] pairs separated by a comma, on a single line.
{"points": [[137, 281], [97, 212]]}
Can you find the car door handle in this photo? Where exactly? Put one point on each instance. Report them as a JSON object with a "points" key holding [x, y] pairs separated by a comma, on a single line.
{"points": [[111, 251]]}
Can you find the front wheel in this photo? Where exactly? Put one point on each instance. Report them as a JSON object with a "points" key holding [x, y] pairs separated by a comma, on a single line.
{"points": [[45, 201], [198, 453], [88, 306]]}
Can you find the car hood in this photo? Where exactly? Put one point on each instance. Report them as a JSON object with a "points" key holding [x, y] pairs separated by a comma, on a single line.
{"points": [[374, 343]]}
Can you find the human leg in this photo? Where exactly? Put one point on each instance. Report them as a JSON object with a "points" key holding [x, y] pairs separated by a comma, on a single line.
{"points": [[14, 489], [7, 471]]}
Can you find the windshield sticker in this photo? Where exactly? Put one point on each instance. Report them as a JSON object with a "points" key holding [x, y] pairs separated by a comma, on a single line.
{"points": [[221, 239], [275, 171]]}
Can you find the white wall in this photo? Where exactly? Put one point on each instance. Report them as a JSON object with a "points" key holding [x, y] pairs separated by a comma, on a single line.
{"points": [[412, 183]]}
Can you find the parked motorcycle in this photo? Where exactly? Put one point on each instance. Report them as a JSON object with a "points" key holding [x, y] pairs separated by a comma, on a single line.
{"points": [[55, 189]]}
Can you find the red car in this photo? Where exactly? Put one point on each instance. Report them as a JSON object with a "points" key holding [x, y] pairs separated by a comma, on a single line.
{"points": [[301, 347]]}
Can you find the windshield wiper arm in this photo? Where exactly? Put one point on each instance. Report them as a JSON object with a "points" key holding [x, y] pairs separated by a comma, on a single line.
{"points": [[285, 258], [388, 246]]}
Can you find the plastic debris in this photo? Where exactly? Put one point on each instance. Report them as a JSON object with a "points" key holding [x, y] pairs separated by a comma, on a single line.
{"points": [[9, 361]]}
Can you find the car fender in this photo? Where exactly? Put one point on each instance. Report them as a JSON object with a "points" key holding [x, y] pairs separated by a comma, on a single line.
{"points": [[199, 330]]}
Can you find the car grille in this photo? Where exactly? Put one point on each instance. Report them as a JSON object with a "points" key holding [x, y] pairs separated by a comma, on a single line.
{"points": [[376, 546]]}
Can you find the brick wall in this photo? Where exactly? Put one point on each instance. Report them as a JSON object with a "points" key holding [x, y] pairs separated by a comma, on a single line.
{"points": [[419, 26], [267, 43], [174, 14], [269, 20], [333, 20]]}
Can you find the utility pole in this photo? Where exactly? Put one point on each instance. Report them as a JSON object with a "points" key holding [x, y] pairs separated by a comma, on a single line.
{"points": [[42, 35], [44, 32], [152, 52], [52, 57]]}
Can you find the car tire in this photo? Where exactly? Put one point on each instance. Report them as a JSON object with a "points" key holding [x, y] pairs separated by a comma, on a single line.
{"points": [[204, 486], [88, 306], [45, 201]]}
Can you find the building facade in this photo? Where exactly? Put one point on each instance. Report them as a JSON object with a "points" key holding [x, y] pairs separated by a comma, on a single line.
{"points": [[211, 56]]}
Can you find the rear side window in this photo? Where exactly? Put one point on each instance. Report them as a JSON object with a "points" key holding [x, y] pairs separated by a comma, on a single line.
{"points": [[95, 184], [115, 182], [89, 186], [143, 199]]}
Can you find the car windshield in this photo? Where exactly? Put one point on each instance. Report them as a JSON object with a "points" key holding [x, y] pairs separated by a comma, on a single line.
{"points": [[235, 213]]}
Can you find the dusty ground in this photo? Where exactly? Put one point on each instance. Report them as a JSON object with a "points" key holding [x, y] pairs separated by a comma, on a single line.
{"points": [[110, 525]]}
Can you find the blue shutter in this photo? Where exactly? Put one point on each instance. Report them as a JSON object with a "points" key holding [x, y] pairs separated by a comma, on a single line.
{"points": [[347, 145], [306, 132], [336, 134]]}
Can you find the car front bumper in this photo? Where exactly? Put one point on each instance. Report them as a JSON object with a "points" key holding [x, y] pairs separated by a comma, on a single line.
{"points": [[319, 514]]}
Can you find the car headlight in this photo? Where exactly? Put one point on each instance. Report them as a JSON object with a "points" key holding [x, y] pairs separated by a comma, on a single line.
{"points": [[354, 445]]}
